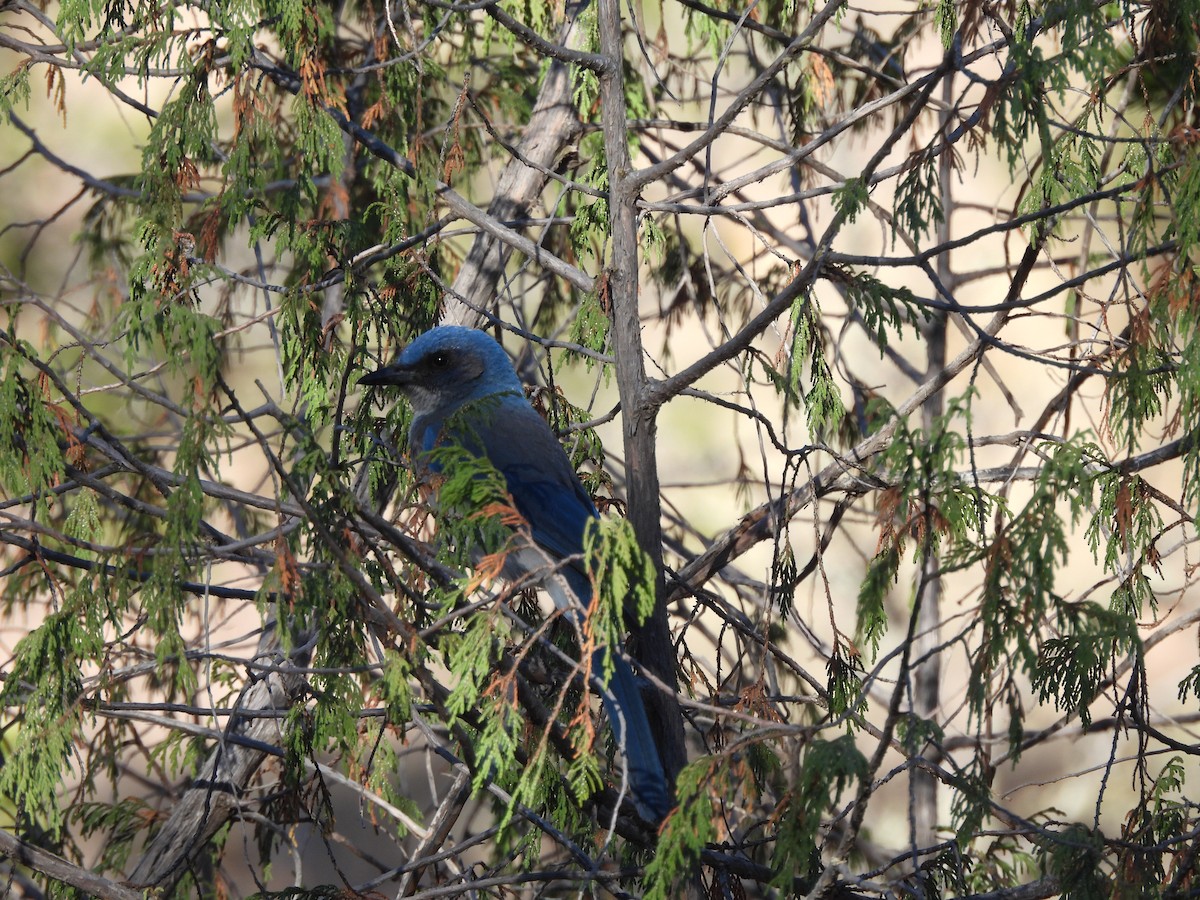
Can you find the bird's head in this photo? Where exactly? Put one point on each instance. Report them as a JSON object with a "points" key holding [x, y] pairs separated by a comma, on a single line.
{"points": [[446, 367]]}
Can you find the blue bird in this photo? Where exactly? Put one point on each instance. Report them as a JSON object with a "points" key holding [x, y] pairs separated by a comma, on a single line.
{"points": [[464, 391]]}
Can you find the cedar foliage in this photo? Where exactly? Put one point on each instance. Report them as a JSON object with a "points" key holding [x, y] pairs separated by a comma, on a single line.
{"points": [[926, 277]]}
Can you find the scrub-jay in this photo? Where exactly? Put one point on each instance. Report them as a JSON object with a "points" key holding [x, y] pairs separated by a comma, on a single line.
{"points": [[465, 392]]}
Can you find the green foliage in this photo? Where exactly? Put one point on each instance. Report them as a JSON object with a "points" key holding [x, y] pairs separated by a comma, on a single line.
{"points": [[916, 733], [827, 769], [705, 33], [14, 89], [395, 691], [653, 241], [83, 522], [180, 143], [1150, 828], [590, 328], [583, 445], [886, 310], [918, 207], [1071, 667], [1128, 523], [585, 84], [765, 769], [591, 226], [844, 672], [971, 803], [1070, 170], [851, 198], [474, 508], [803, 103], [946, 20], [689, 828], [1190, 684], [46, 682], [623, 576], [871, 616], [822, 399], [31, 427], [784, 576], [927, 499], [1021, 109], [162, 318], [1067, 666], [118, 823], [473, 658], [154, 481], [1073, 856], [473, 655], [1158, 372]]}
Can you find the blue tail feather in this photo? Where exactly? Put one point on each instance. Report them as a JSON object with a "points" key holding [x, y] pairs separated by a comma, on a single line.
{"points": [[623, 703]]}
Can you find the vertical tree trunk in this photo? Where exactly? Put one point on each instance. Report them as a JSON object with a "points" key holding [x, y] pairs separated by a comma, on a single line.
{"points": [[927, 676], [651, 643]]}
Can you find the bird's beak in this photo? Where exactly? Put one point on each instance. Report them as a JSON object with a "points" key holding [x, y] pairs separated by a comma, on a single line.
{"points": [[394, 374]]}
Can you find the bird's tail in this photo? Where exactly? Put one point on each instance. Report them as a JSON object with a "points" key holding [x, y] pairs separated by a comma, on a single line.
{"points": [[623, 702]]}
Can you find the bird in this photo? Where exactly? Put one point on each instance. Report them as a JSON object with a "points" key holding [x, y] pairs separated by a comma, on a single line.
{"points": [[464, 392]]}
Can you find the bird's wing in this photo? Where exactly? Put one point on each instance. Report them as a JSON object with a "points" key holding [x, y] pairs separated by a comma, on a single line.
{"points": [[521, 446]]}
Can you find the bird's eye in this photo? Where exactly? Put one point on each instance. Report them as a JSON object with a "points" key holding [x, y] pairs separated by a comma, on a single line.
{"points": [[439, 360]]}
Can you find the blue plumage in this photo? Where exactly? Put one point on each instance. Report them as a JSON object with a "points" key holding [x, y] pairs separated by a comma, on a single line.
{"points": [[464, 390]]}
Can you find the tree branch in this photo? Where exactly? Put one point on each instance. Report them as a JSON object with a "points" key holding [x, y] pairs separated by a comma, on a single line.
{"points": [[26, 854]]}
